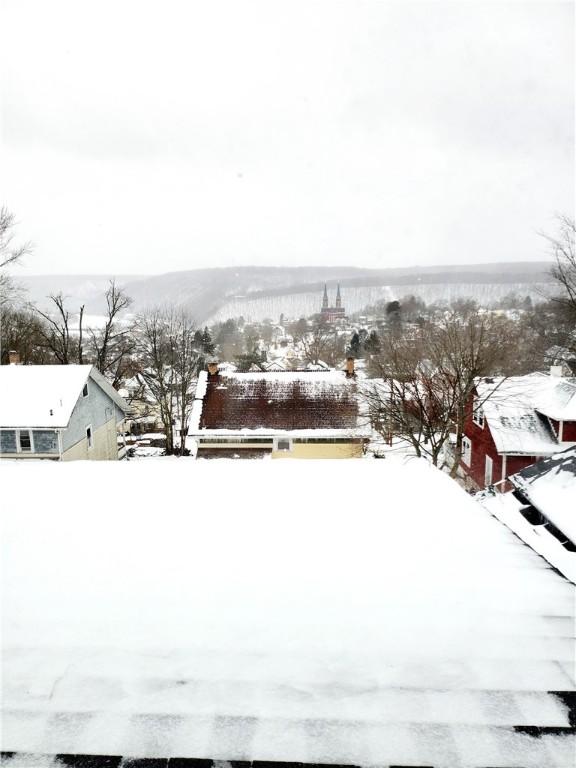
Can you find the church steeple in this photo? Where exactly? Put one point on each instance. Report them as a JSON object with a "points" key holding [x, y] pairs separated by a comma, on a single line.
{"points": [[338, 297], [325, 299]]}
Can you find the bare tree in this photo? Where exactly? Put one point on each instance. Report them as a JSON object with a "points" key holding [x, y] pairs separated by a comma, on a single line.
{"points": [[22, 331], [427, 380], [320, 343], [10, 254], [564, 271], [170, 360], [410, 400], [58, 335], [465, 348], [111, 346]]}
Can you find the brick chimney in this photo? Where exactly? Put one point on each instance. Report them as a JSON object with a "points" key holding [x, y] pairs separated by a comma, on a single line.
{"points": [[213, 368], [350, 373], [14, 357]]}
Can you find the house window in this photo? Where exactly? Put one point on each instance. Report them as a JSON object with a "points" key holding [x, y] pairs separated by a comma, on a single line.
{"points": [[89, 436], [84, 390], [466, 451], [488, 471], [283, 444], [477, 413], [24, 441]]}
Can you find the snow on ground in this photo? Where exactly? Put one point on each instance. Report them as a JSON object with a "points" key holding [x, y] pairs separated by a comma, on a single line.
{"points": [[352, 612]]}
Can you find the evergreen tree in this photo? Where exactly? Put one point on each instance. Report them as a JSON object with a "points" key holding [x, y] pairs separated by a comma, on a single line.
{"points": [[208, 346], [372, 344], [355, 345], [393, 315]]}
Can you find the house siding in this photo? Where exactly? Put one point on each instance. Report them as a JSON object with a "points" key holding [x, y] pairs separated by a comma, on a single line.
{"points": [[104, 446], [327, 450], [569, 432], [99, 411], [299, 450], [44, 441], [483, 445]]}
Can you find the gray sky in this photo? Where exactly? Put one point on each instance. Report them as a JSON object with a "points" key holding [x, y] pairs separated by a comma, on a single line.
{"points": [[144, 137]]}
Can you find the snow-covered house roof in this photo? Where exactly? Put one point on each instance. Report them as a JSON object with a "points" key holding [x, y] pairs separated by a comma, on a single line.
{"points": [[394, 623], [550, 486], [315, 403], [558, 400], [517, 411], [45, 395]]}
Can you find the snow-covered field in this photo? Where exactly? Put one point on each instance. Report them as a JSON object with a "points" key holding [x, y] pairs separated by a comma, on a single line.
{"points": [[360, 612]]}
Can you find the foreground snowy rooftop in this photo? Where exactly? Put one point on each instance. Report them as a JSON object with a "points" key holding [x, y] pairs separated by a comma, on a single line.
{"points": [[357, 612], [45, 395]]}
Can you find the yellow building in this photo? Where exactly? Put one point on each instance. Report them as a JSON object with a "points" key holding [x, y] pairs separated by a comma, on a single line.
{"points": [[281, 414]]}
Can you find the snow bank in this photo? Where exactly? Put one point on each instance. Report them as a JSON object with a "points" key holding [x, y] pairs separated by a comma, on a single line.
{"points": [[231, 611]]}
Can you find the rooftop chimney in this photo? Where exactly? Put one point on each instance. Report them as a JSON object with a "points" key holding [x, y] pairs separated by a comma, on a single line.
{"points": [[556, 370], [350, 367], [212, 368], [14, 357]]}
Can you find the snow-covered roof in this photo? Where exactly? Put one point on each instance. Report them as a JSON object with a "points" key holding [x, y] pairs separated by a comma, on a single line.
{"points": [[558, 400], [303, 403], [394, 622], [509, 405], [550, 485], [45, 395]]}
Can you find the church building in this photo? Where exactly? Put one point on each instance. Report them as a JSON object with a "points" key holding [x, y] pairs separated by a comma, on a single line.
{"points": [[330, 314]]}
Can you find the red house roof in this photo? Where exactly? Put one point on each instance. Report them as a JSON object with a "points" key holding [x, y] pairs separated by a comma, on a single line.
{"points": [[276, 401]]}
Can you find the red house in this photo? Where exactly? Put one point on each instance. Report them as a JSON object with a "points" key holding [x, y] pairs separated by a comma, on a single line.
{"points": [[512, 423]]}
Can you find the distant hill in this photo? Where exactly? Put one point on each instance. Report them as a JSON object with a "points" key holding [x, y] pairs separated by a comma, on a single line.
{"points": [[258, 292]]}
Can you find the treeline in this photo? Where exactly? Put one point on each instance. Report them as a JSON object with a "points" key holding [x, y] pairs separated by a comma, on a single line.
{"points": [[541, 331]]}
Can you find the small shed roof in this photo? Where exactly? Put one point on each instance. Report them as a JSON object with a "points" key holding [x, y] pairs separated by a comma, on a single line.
{"points": [[45, 395]]}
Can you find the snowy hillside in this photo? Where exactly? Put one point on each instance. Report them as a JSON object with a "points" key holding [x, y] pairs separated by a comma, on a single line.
{"points": [[260, 292], [356, 299]]}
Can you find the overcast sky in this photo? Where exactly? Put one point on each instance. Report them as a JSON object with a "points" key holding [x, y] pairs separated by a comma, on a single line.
{"points": [[143, 137]]}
